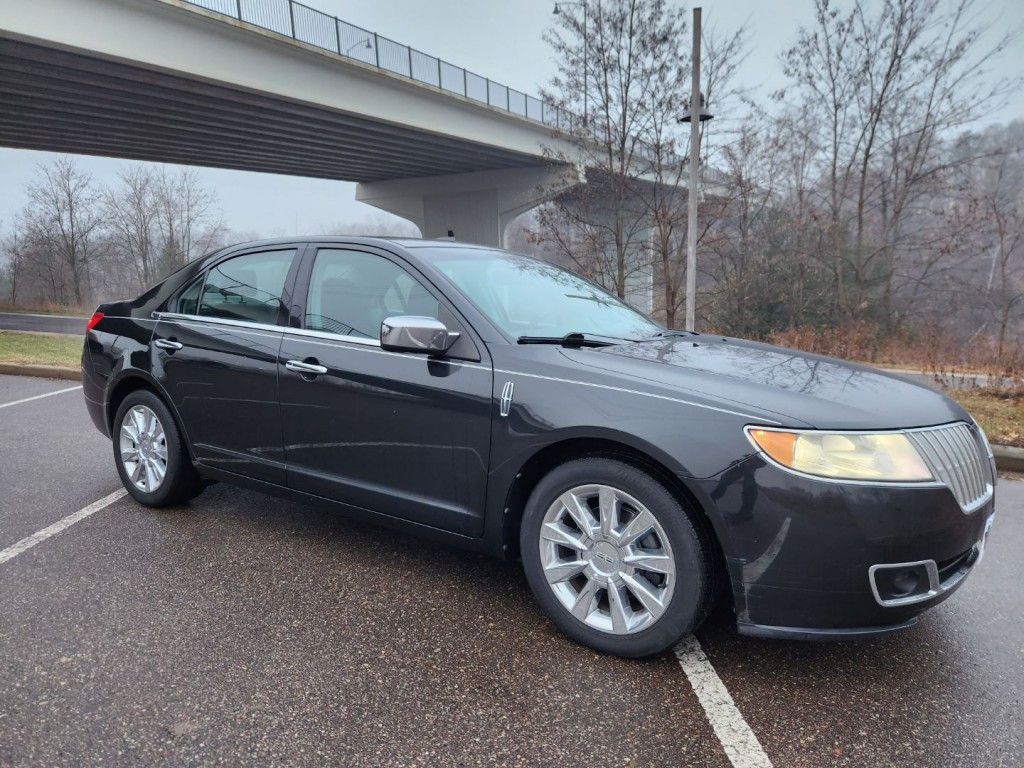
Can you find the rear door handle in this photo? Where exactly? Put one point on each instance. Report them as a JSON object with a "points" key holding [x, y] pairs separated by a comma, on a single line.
{"points": [[298, 366], [168, 344]]}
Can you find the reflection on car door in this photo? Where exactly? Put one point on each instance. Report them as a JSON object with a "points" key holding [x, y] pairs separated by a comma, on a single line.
{"points": [[215, 353], [397, 433]]}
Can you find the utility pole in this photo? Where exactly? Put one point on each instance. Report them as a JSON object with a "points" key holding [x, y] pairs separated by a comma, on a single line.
{"points": [[691, 227]]}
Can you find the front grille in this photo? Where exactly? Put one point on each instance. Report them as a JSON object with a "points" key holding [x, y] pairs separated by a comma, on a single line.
{"points": [[956, 458]]}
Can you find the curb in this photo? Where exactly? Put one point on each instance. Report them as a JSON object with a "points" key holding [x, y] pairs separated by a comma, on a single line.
{"points": [[1008, 458], [45, 371]]}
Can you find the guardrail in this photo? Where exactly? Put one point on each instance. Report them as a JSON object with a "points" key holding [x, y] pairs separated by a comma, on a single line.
{"points": [[308, 25]]}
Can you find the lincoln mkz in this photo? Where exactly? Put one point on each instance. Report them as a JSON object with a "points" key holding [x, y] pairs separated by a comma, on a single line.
{"points": [[497, 402]]}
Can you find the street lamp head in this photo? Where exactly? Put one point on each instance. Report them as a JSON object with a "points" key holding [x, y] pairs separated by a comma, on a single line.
{"points": [[368, 45], [702, 116]]}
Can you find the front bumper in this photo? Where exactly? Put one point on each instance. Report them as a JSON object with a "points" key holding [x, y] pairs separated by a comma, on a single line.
{"points": [[822, 560]]}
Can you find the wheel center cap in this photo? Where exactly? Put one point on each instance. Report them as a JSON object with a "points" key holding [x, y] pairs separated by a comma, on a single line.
{"points": [[605, 558]]}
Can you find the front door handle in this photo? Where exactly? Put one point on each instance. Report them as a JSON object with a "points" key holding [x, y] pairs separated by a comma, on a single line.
{"points": [[170, 344], [299, 366]]}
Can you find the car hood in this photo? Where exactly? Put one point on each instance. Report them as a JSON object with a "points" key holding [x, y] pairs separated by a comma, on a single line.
{"points": [[803, 388]]}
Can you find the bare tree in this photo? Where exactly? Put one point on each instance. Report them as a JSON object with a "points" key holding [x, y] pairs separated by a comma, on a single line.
{"points": [[158, 221], [616, 60], [187, 220], [131, 210], [60, 226], [12, 246], [988, 254], [882, 86]]}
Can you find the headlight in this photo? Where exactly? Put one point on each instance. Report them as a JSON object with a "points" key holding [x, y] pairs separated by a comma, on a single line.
{"points": [[884, 457]]}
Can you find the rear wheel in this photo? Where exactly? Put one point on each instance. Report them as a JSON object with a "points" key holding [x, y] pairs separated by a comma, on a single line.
{"points": [[614, 558], [151, 457]]}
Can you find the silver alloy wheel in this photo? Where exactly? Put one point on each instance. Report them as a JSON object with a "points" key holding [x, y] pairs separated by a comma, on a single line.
{"points": [[143, 448], [607, 559]]}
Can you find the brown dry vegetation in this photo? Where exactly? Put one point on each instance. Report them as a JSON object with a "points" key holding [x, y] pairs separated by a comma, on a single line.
{"points": [[930, 350], [1000, 413], [998, 406], [46, 308]]}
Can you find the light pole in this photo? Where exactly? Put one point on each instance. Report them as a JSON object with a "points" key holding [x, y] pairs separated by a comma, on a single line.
{"points": [[696, 98], [586, 111], [348, 51]]}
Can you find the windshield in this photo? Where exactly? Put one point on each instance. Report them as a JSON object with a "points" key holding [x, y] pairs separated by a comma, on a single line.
{"points": [[526, 297]]}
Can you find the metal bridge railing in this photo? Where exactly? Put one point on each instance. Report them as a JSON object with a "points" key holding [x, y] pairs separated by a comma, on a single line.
{"points": [[308, 25]]}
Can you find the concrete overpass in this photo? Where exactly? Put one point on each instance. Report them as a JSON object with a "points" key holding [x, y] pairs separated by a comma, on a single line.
{"points": [[282, 90]]}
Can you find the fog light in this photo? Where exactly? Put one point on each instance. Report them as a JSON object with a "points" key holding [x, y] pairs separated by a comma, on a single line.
{"points": [[905, 583]]}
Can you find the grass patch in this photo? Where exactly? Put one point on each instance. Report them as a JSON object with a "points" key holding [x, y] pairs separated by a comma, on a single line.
{"points": [[1000, 413], [40, 348]]}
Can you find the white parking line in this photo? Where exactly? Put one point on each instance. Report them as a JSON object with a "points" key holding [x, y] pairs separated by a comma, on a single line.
{"points": [[52, 530], [740, 744], [38, 397]]}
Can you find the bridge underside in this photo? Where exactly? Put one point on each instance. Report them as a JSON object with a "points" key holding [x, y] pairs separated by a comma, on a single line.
{"points": [[65, 101]]}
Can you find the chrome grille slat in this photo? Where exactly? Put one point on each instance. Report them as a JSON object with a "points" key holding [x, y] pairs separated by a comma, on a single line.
{"points": [[967, 446], [982, 468], [972, 447], [954, 455], [960, 488]]}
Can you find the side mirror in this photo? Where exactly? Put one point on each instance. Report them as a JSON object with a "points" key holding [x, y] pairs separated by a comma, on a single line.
{"points": [[422, 335]]}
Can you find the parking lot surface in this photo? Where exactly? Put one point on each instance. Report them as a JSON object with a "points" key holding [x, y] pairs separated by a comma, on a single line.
{"points": [[245, 630]]}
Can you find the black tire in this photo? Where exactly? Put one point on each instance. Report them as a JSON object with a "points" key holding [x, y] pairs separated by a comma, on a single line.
{"points": [[181, 482], [691, 552]]}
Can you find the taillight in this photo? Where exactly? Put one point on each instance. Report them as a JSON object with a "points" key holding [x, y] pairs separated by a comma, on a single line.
{"points": [[96, 317]]}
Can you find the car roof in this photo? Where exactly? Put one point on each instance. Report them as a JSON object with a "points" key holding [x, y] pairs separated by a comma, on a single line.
{"points": [[405, 242]]}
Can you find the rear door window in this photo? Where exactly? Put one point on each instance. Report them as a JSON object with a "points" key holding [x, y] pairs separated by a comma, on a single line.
{"points": [[247, 287], [188, 300]]}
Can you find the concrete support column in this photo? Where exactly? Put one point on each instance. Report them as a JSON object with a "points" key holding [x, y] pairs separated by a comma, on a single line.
{"points": [[476, 207]]}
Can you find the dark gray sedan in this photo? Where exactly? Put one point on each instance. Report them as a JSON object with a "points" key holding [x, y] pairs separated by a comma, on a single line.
{"points": [[499, 403]]}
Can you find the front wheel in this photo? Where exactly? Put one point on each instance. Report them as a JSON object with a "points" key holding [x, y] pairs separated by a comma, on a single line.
{"points": [[150, 454], [614, 559]]}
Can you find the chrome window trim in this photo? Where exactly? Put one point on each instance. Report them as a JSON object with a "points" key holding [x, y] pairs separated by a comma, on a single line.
{"points": [[204, 320], [369, 345], [332, 336], [361, 344]]}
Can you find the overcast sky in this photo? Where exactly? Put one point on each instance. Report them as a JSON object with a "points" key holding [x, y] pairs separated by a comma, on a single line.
{"points": [[499, 40]]}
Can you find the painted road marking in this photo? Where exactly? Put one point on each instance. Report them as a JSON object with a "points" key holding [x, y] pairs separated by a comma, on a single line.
{"points": [[740, 744], [52, 530], [38, 397]]}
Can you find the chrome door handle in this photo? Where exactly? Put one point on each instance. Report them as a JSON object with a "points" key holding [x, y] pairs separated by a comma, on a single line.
{"points": [[300, 367], [167, 344]]}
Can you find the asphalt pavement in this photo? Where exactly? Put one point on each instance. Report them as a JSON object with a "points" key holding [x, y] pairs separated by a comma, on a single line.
{"points": [[17, 321], [245, 630]]}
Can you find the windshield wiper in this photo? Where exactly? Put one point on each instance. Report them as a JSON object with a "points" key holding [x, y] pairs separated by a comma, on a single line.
{"points": [[670, 333], [574, 339]]}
